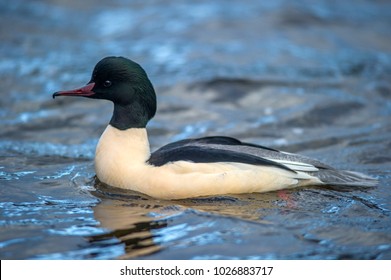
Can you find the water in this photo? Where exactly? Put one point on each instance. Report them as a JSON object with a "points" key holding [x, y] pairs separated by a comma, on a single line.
{"points": [[302, 77]]}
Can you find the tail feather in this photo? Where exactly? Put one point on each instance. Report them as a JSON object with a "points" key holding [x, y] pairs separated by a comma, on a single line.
{"points": [[345, 178]]}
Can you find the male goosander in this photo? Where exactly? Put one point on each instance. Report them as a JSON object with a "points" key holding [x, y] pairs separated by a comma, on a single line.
{"points": [[187, 168]]}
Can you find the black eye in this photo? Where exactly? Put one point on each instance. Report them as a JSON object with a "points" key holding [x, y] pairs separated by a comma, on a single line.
{"points": [[107, 83]]}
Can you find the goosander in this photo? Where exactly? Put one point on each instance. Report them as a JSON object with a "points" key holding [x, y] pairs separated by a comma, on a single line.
{"points": [[208, 166]]}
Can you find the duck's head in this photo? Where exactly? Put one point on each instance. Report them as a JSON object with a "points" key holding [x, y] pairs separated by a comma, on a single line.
{"points": [[125, 83]]}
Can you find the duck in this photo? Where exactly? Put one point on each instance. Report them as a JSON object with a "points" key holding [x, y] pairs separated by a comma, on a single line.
{"points": [[189, 168]]}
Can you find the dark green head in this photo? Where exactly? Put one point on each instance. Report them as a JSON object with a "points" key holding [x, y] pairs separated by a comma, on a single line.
{"points": [[126, 84]]}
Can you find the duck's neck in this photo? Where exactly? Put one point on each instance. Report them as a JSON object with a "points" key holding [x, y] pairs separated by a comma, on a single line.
{"points": [[121, 148], [122, 120]]}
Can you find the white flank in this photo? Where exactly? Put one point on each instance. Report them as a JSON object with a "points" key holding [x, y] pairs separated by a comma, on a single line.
{"points": [[121, 157]]}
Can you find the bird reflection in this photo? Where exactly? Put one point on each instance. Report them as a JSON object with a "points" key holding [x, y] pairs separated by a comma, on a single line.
{"points": [[136, 222], [128, 219]]}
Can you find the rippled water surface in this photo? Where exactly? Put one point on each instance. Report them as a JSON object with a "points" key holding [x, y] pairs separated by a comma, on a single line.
{"points": [[295, 75]]}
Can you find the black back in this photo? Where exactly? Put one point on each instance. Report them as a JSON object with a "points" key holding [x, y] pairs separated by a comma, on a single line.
{"points": [[211, 149]]}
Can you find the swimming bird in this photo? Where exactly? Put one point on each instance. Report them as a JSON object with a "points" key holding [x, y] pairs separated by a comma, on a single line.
{"points": [[208, 166]]}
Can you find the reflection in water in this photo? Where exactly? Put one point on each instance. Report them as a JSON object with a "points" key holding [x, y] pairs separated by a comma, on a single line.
{"points": [[144, 225], [137, 239], [201, 227], [128, 221]]}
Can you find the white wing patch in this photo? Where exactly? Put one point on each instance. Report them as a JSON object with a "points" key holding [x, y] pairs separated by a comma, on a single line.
{"points": [[295, 165]]}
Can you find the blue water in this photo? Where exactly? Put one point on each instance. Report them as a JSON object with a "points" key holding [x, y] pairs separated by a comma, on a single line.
{"points": [[303, 76]]}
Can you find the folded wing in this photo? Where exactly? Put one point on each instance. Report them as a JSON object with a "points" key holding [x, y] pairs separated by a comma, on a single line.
{"points": [[227, 149]]}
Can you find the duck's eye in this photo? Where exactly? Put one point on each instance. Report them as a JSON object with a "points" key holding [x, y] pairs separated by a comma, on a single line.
{"points": [[107, 83]]}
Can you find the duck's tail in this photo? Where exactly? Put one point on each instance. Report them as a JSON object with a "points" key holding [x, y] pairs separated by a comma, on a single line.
{"points": [[345, 178]]}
